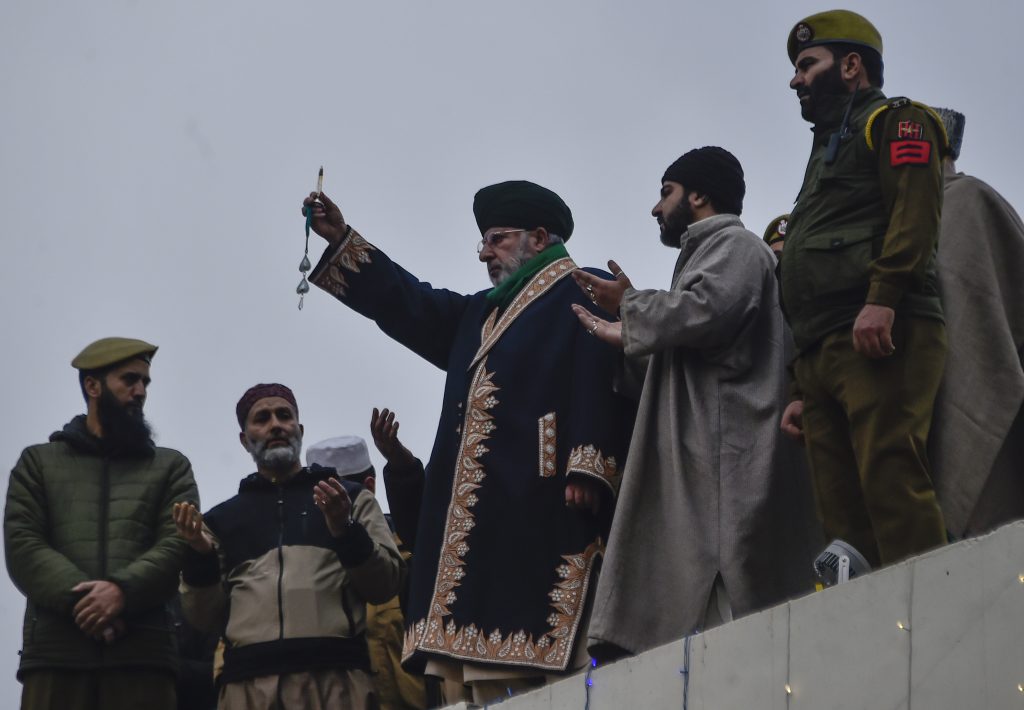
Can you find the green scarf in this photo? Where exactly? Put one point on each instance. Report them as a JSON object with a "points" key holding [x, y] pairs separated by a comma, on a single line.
{"points": [[503, 294]]}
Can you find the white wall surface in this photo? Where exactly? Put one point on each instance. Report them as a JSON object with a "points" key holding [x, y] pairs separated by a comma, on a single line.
{"points": [[962, 614]]}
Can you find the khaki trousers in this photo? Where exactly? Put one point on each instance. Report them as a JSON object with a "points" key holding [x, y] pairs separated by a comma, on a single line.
{"points": [[397, 689], [114, 689], [866, 428], [315, 690]]}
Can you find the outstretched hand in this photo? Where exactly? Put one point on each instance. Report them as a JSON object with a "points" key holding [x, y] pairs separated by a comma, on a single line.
{"points": [[601, 329], [327, 219], [333, 501], [384, 428], [605, 293], [189, 522]]}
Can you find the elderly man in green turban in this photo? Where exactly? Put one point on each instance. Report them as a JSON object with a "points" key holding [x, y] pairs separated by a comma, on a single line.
{"points": [[518, 492], [860, 291]]}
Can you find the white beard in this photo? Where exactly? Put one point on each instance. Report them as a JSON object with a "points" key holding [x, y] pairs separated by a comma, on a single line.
{"points": [[514, 263], [278, 458]]}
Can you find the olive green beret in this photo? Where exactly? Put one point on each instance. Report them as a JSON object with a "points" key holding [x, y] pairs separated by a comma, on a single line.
{"points": [[519, 203], [108, 351], [776, 230], [832, 27]]}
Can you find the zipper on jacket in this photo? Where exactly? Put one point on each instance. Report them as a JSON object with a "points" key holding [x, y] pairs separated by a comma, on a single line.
{"points": [[104, 531], [280, 561], [104, 514]]}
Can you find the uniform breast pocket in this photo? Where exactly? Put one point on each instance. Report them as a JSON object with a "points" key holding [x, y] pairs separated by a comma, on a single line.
{"points": [[838, 262], [852, 177], [830, 176]]}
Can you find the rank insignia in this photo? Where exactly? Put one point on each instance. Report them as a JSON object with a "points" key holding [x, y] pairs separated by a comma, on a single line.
{"points": [[911, 129], [909, 152], [803, 33]]}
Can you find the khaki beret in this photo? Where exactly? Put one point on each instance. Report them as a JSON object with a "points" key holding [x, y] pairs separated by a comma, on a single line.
{"points": [[107, 351], [776, 230], [832, 27]]}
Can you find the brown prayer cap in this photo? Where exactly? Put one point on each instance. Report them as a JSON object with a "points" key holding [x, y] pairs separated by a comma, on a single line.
{"points": [[258, 392]]}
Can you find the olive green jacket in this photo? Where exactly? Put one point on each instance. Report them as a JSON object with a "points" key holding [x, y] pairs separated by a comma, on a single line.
{"points": [[865, 226], [76, 512]]}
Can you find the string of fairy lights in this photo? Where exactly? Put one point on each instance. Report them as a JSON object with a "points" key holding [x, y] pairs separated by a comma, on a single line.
{"points": [[788, 689]]}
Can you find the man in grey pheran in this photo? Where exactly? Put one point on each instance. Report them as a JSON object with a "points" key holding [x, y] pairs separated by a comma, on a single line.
{"points": [[712, 522]]}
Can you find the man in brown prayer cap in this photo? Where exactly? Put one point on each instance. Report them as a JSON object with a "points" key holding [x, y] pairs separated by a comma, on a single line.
{"points": [[285, 568]]}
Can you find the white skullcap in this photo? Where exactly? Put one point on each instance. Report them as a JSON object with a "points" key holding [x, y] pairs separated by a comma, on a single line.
{"points": [[345, 454]]}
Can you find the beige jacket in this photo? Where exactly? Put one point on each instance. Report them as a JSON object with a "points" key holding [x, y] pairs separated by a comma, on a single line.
{"points": [[288, 596]]}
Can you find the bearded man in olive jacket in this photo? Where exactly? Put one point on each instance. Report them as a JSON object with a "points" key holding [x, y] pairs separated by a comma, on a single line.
{"points": [[90, 541]]}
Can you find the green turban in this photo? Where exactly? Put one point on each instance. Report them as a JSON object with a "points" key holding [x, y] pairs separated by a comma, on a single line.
{"points": [[522, 204]]}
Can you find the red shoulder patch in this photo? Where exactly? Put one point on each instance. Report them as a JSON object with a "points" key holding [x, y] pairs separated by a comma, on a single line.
{"points": [[911, 129], [909, 153]]}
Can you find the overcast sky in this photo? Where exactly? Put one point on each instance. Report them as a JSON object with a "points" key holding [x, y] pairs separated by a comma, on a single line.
{"points": [[153, 159]]}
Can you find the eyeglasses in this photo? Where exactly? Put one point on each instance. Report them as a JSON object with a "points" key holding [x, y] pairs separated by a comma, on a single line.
{"points": [[495, 238]]}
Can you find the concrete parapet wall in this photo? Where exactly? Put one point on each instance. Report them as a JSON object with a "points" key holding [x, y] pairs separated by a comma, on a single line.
{"points": [[941, 631]]}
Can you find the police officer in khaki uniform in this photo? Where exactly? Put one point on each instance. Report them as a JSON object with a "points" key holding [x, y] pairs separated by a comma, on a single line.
{"points": [[775, 234], [860, 292]]}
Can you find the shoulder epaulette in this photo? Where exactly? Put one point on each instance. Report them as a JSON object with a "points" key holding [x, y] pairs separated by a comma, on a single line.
{"points": [[900, 102]]}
